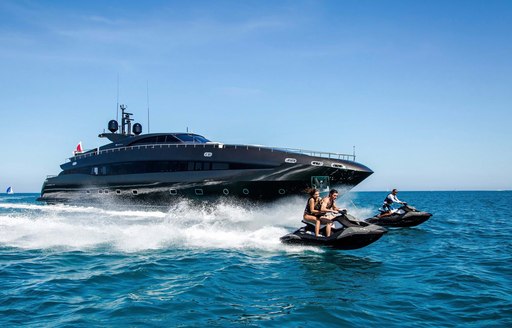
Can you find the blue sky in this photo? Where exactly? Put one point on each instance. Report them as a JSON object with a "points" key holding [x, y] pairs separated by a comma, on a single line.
{"points": [[422, 89]]}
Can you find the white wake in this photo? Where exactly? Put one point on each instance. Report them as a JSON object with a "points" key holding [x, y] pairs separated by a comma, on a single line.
{"points": [[224, 225]]}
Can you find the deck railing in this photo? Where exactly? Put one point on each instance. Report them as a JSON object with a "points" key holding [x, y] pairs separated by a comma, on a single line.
{"points": [[328, 155]]}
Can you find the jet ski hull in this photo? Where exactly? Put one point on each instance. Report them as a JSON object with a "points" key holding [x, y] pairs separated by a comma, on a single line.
{"points": [[409, 219], [352, 235]]}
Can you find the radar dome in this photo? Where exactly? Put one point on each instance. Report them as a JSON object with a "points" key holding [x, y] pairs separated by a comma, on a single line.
{"points": [[137, 128], [113, 126]]}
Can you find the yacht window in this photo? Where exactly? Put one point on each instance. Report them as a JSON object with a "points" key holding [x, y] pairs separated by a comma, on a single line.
{"points": [[137, 167], [220, 166], [171, 139], [185, 137], [200, 139], [192, 138], [158, 167], [181, 166], [157, 139], [150, 140]]}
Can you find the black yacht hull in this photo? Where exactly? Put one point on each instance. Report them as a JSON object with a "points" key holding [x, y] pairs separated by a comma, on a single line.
{"points": [[158, 175]]}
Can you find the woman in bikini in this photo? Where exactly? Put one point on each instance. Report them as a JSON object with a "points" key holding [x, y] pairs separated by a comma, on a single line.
{"points": [[312, 212]]}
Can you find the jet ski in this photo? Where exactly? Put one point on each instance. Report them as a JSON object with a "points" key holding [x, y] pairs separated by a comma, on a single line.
{"points": [[346, 233], [405, 216]]}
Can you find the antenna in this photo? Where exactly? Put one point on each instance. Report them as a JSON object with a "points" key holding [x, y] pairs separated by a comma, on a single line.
{"points": [[147, 96], [354, 152]]}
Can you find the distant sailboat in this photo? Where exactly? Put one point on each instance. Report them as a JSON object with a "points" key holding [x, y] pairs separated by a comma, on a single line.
{"points": [[9, 191]]}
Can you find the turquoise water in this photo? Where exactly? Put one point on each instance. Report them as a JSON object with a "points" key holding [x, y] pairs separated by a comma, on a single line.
{"points": [[223, 265]]}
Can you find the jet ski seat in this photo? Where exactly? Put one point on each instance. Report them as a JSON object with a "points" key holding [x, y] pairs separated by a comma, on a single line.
{"points": [[337, 224], [312, 224]]}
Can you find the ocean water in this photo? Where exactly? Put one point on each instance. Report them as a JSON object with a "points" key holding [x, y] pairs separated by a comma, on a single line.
{"points": [[222, 265]]}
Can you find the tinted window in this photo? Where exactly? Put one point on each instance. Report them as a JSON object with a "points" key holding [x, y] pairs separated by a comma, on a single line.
{"points": [[150, 140], [192, 138], [157, 139], [171, 139], [201, 139], [137, 167], [220, 166]]}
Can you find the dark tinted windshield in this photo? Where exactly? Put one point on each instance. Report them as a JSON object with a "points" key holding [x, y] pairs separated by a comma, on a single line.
{"points": [[192, 138]]}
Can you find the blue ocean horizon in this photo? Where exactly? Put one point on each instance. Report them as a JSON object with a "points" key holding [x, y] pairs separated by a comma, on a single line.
{"points": [[223, 265]]}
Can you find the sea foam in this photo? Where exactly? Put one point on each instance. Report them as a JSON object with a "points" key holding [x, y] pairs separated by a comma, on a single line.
{"points": [[185, 224]]}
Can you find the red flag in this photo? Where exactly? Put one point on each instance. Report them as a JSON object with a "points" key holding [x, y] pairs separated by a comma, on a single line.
{"points": [[78, 149]]}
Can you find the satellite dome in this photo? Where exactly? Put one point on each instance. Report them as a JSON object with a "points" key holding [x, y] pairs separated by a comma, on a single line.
{"points": [[137, 128], [113, 126]]}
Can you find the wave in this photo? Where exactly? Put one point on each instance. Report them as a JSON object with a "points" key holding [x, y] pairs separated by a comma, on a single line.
{"points": [[186, 224]]}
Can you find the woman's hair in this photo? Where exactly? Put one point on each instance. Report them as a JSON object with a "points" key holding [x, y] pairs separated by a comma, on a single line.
{"points": [[311, 191]]}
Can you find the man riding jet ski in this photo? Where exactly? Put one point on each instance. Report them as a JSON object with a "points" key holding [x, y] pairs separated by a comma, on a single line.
{"points": [[346, 233], [405, 216], [387, 208]]}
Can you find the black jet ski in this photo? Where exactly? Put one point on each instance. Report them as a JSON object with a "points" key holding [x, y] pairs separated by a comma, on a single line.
{"points": [[347, 233], [405, 216]]}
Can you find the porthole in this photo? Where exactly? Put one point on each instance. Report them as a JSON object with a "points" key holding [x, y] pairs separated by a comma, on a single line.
{"points": [[338, 166], [317, 163], [173, 191], [199, 192], [135, 192], [281, 191], [106, 191], [100, 191], [225, 191], [208, 154], [118, 191], [290, 160], [87, 191], [245, 191]]}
